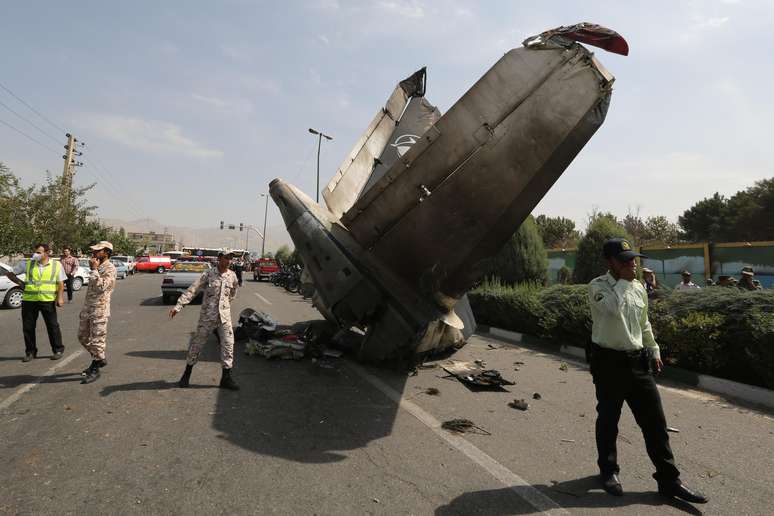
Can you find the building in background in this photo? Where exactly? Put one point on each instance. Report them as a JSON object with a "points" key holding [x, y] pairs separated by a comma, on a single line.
{"points": [[152, 242]]}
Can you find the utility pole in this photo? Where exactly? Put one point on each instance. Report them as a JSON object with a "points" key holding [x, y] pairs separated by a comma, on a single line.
{"points": [[320, 136], [69, 164], [265, 212]]}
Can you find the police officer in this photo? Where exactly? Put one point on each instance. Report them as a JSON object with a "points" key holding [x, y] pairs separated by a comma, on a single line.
{"points": [[92, 328], [219, 285], [43, 292], [623, 352]]}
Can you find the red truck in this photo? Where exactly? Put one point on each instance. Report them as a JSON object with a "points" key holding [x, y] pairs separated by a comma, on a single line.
{"points": [[264, 268], [153, 263]]}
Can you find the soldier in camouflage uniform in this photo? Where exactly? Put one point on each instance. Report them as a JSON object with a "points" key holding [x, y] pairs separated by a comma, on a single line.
{"points": [[219, 285], [92, 329]]}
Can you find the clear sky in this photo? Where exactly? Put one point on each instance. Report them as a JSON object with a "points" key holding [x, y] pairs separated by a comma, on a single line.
{"points": [[190, 108]]}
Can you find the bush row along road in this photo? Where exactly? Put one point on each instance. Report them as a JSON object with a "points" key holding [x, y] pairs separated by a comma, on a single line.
{"points": [[299, 439]]}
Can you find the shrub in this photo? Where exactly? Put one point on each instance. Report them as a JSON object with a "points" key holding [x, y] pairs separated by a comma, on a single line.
{"points": [[589, 262], [523, 259], [724, 332]]}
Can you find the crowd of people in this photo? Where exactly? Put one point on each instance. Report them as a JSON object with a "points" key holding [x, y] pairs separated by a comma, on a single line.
{"points": [[44, 282], [745, 282]]}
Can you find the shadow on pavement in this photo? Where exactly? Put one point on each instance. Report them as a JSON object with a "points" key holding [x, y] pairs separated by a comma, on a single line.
{"points": [[300, 411], [582, 493], [171, 354], [9, 382], [155, 385]]}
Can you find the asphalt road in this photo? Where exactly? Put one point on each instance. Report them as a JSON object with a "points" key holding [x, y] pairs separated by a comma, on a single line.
{"points": [[300, 439]]}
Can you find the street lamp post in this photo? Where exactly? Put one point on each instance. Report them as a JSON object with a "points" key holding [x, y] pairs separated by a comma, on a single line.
{"points": [[320, 136], [265, 212]]}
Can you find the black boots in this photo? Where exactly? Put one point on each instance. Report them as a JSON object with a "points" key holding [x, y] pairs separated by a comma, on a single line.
{"points": [[226, 382], [186, 378], [91, 373]]}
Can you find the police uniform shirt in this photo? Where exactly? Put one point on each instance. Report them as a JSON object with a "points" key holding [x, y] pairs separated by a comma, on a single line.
{"points": [[687, 286], [619, 312]]}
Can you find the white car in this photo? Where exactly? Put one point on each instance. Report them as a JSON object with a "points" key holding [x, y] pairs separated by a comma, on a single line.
{"points": [[128, 260], [10, 292]]}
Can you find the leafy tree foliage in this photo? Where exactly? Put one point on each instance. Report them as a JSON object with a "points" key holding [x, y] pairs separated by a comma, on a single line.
{"points": [[589, 262], [283, 254], [557, 232], [523, 259], [50, 213], [706, 220]]}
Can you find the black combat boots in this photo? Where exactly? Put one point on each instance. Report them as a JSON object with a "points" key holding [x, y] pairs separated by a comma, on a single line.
{"points": [[186, 378], [91, 373], [226, 382]]}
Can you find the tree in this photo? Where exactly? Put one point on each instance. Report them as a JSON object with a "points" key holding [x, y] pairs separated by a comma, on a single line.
{"points": [[659, 229], [589, 262], [707, 220], [635, 227], [283, 254], [15, 232], [557, 232], [752, 213], [523, 258]]}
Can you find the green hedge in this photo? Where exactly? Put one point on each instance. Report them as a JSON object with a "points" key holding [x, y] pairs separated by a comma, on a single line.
{"points": [[723, 332]]}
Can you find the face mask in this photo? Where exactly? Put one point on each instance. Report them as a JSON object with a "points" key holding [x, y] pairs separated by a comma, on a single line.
{"points": [[36, 256]]}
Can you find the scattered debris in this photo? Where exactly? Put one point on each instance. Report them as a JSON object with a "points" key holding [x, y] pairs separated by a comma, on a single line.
{"points": [[255, 325], [473, 375], [568, 440], [289, 347], [432, 391], [536, 396], [333, 353], [462, 426], [563, 366], [582, 415], [673, 430], [480, 363], [519, 404], [375, 500], [493, 346], [427, 366], [518, 362]]}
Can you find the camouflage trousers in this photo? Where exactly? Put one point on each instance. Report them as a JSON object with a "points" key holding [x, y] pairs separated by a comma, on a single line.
{"points": [[92, 334], [199, 339]]}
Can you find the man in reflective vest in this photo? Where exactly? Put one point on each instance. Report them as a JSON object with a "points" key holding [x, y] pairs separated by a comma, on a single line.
{"points": [[43, 292]]}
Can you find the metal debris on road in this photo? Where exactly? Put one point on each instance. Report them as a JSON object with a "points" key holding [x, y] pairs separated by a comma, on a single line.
{"points": [[480, 363], [432, 391], [536, 396], [673, 430], [519, 404], [462, 426], [473, 375], [568, 440], [563, 366], [427, 366]]}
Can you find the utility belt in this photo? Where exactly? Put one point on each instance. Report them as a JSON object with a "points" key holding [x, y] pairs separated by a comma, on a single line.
{"points": [[636, 359]]}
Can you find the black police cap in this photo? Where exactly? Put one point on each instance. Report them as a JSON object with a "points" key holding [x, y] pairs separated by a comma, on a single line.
{"points": [[620, 249]]}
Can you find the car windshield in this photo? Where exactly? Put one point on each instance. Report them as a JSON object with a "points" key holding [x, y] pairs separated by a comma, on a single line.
{"points": [[117, 263], [190, 267], [120, 258]]}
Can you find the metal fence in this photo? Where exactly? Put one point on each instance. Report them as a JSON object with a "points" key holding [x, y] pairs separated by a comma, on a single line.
{"points": [[703, 260]]}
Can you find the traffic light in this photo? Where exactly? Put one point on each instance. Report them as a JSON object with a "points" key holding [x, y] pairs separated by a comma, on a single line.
{"points": [[221, 224], [241, 226]]}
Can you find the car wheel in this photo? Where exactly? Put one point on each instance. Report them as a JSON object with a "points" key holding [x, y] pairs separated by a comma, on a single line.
{"points": [[77, 283], [160, 270], [13, 299]]}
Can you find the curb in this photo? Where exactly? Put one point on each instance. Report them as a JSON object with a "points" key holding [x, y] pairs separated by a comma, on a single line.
{"points": [[741, 391]]}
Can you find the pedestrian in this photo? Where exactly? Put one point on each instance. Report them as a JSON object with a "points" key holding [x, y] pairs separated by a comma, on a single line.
{"points": [[92, 328], [237, 266], [219, 285], [70, 265], [746, 281], [687, 284], [43, 291], [652, 287], [623, 356], [724, 280]]}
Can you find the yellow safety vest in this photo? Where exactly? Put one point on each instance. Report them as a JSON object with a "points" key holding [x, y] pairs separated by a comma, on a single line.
{"points": [[41, 284]]}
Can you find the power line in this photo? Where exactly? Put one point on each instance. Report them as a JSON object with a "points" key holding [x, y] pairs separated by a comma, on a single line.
{"points": [[28, 121], [32, 108], [28, 136]]}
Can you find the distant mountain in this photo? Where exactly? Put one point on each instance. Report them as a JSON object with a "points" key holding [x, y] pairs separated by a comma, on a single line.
{"points": [[207, 237]]}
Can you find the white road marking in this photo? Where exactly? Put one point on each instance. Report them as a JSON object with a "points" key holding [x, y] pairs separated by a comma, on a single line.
{"points": [[262, 298], [7, 402], [518, 485]]}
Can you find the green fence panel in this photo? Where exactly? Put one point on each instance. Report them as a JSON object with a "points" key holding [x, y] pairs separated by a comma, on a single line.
{"points": [[730, 260], [668, 264], [558, 259]]}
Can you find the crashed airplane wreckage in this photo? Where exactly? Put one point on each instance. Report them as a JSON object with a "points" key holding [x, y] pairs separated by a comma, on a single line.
{"points": [[423, 200]]}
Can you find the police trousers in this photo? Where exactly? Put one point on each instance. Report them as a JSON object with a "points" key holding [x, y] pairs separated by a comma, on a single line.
{"points": [[625, 377], [29, 313]]}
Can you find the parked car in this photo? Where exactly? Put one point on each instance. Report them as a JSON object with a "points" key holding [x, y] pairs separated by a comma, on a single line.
{"points": [[128, 260], [153, 264], [10, 292], [179, 278], [121, 269], [263, 268]]}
